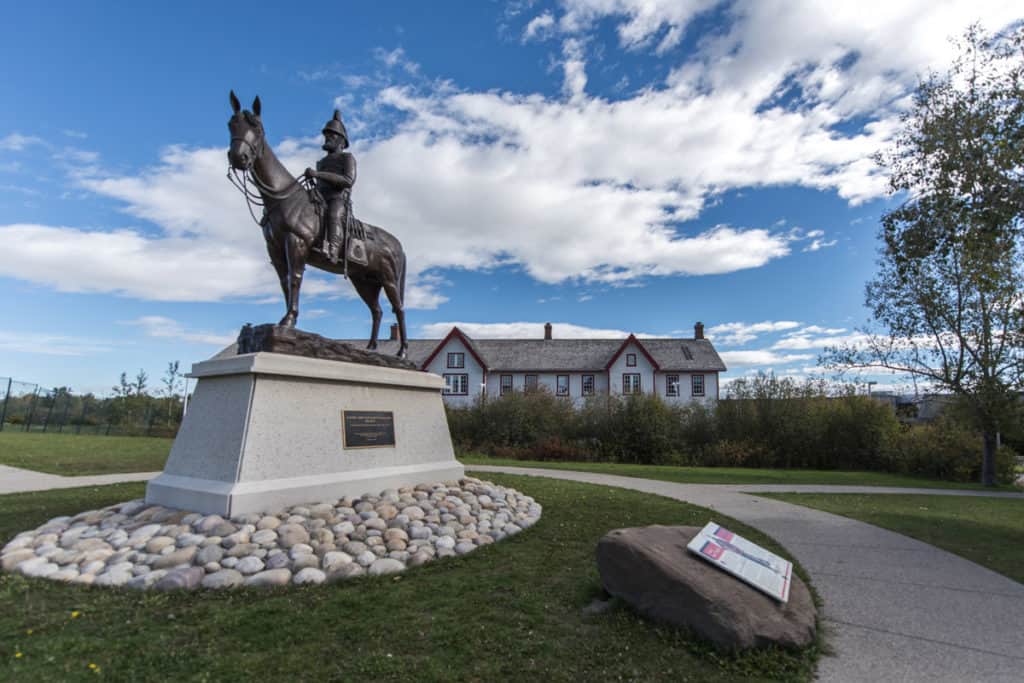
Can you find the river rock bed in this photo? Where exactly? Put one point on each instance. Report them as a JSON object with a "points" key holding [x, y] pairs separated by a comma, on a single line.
{"points": [[153, 547]]}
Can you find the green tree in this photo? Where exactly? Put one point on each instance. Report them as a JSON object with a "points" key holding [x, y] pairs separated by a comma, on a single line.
{"points": [[946, 302]]}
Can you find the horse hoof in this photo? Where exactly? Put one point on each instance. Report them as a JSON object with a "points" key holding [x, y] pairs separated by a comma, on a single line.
{"points": [[287, 321], [372, 346]]}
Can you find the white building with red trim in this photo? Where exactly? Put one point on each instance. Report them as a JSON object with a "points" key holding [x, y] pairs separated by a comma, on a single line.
{"points": [[678, 370]]}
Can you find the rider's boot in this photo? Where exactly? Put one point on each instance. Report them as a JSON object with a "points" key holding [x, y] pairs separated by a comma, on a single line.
{"points": [[332, 245]]}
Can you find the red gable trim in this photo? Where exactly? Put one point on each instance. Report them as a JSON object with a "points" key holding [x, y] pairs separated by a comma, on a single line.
{"points": [[456, 333], [622, 349]]}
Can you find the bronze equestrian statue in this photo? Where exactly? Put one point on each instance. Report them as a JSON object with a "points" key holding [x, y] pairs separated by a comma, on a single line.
{"points": [[370, 256]]}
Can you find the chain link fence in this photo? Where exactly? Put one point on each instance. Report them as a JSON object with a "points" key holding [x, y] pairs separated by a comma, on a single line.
{"points": [[28, 407]]}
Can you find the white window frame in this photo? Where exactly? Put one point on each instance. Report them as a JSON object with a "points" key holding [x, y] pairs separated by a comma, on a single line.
{"points": [[456, 359], [630, 360], [502, 387], [583, 385], [559, 390], [527, 382], [633, 385], [456, 385], [672, 385], [694, 381]]}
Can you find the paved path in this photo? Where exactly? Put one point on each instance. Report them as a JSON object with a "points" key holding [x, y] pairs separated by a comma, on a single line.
{"points": [[16, 480], [896, 609]]}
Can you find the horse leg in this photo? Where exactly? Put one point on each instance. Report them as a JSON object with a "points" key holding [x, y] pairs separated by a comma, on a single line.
{"points": [[370, 293], [279, 261], [295, 250], [395, 298]]}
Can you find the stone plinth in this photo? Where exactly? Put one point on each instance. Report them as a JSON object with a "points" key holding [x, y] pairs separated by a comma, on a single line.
{"points": [[264, 431]]}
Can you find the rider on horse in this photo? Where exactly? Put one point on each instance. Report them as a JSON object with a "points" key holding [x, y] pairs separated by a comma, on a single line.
{"points": [[335, 175]]}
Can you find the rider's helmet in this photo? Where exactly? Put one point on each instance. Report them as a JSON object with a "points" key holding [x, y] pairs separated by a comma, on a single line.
{"points": [[335, 125]]}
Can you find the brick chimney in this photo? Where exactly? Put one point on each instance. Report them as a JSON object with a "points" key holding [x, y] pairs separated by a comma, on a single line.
{"points": [[698, 331], [547, 331], [394, 333]]}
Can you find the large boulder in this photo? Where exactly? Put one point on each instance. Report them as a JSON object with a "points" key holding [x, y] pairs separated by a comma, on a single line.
{"points": [[651, 570]]}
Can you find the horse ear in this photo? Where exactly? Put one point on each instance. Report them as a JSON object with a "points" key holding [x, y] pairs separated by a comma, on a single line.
{"points": [[256, 106], [235, 104]]}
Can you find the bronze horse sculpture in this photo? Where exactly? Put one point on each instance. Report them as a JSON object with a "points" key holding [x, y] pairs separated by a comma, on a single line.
{"points": [[291, 227]]}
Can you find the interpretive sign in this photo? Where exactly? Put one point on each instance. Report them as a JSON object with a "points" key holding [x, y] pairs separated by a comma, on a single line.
{"points": [[747, 561], [368, 428]]}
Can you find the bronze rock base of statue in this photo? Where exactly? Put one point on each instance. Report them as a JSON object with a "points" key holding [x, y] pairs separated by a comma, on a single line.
{"points": [[288, 340]]}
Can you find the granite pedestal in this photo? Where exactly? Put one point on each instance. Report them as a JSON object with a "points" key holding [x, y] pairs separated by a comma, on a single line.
{"points": [[264, 431]]}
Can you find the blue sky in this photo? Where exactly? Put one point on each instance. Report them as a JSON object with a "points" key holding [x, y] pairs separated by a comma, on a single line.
{"points": [[610, 166]]}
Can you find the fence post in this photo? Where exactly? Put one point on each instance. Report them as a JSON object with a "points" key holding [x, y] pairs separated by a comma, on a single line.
{"points": [[49, 412], [32, 409], [67, 407], [7, 397]]}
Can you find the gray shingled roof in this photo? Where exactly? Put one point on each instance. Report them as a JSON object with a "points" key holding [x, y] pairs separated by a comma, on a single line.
{"points": [[512, 355]]}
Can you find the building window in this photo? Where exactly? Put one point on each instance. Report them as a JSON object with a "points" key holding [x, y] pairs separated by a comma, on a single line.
{"points": [[630, 360], [672, 385], [631, 383], [562, 385], [456, 360], [456, 385], [588, 385], [698, 385], [530, 383], [506, 384]]}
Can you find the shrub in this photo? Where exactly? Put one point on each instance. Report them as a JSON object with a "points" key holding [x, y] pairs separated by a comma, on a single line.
{"points": [[945, 450]]}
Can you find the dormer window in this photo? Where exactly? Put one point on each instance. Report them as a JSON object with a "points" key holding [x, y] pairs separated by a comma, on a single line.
{"points": [[456, 360], [630, 360]]}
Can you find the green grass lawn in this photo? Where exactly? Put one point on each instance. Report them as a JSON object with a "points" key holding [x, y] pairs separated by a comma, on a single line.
{"points": [[729, 475], [511, 610], [80, 454], [989, 531]]}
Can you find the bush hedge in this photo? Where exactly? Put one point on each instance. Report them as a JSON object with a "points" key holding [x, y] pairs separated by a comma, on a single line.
{"points": [[765, 422]]}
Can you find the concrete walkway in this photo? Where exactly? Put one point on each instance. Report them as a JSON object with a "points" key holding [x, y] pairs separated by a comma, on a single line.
{"points": [[16, 480], [896, 609]]}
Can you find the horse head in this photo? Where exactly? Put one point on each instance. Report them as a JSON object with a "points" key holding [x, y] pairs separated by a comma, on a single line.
{"points": [[247, 138]]}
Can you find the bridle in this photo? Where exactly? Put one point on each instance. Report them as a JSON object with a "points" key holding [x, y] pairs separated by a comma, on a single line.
{"points": [[240, 178]]}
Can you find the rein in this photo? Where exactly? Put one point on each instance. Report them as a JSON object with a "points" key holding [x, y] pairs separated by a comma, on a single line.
{"points": [[241, 181]]}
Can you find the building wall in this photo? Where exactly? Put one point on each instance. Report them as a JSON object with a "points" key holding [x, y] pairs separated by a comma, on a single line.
{"points": [[643, 368], [549, 381], [686, 387], [475, 373]]}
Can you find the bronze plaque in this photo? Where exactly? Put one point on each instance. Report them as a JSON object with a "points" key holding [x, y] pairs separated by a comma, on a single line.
{"points": [[368, 428]]}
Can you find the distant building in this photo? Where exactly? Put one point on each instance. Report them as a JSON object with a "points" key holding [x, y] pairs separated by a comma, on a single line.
{"points": [[678, 370]]}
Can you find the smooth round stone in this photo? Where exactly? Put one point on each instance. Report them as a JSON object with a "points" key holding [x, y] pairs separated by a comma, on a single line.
{"points": [[445, 552], [94, 567], [264, 537], [66, 574], [396, 544], [182, 556], [344, 571], [386, 511], [212, 567], [396, 535], [72, 536], [225, 578], [321, 511], [158, 543], [385, 565], [371, 541], [247, 518], [464, 547], [144, 533], [279, 561], [400, 555], [343, 528], [185, 540], [206, 524], [309, 575], [224, 529], [420, 533], [181, 579], [14, 558], [140, 569], [250, 565], [145, 581], [66, 557], [268, 522], [303, 561], [119, 578], [211, 553], [335, 559], [271, 577], [322, 536], [354, 548], [237, 538], [229, 562], [414, 512], [242, 549], [364, 559], [300, 549], [484, 539], [376, 524], [84, 579], [52, 539], [419, 558], [291, 534], [445, 542]]}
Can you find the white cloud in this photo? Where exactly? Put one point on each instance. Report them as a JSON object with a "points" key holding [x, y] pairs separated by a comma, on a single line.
{"points": [[16, 142], [740, 333], [52, 344], [522, 330], [539, 27], [812, 338], [159, 326], [817, 244], [760, 357]]}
